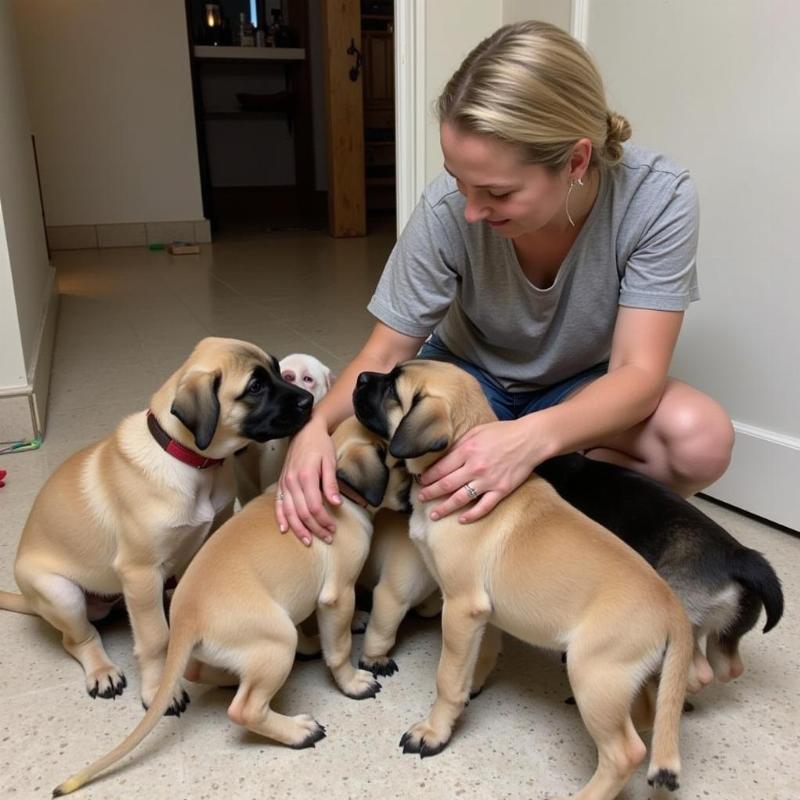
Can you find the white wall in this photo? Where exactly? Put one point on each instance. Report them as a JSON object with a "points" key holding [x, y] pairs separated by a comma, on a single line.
{"points": [[110, 99], [556, 12], [452, 29], [24, 269], [715, 86]]}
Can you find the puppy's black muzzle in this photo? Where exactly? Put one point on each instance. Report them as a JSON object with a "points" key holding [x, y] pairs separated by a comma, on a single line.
{"points": [[369, 398], [281, 411]]}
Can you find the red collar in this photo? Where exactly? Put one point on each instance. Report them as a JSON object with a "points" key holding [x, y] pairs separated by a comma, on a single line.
{"points": [[176, 449], [351, 494]]}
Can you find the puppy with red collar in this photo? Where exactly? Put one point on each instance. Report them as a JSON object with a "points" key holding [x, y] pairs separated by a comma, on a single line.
{"points": [[123, 514]]}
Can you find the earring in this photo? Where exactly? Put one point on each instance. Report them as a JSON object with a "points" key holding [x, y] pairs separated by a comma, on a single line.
{"points": [[569, 192]]}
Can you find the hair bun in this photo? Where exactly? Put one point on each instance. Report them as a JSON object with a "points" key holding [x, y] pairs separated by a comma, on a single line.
{"points": [[618, 130]]}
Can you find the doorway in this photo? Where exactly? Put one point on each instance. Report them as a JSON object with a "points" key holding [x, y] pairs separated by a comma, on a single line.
{"points": [[278, 147]]}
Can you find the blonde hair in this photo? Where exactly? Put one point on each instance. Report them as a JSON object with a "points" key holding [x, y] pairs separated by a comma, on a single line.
{"points": [[533, 86]]}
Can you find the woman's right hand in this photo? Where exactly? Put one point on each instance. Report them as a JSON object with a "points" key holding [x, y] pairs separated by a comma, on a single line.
{"points": [[308, 479]]}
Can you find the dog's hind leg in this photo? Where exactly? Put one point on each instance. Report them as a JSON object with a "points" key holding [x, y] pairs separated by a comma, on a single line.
{"points": [[723, 646], [268, 661], [63, 604], [604, 692]]}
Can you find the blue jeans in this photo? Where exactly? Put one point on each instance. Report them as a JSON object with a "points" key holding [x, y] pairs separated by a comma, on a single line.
{"points": [[512, 405]]}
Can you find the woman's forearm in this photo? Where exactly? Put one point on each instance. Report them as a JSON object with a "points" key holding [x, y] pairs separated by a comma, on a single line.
{"points": [[611, 404]]}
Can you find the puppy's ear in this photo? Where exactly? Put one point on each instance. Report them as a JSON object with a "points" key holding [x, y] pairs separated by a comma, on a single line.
{"points": [[424, 429], [196, 405], [363, 469], [330, 378]]}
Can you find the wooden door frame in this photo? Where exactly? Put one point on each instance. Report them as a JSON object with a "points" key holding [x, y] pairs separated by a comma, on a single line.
{"points": [[344, 100]]}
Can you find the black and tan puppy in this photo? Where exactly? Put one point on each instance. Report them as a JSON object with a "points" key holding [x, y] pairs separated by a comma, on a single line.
{"points": [[721, 583], [125, 513], [542, 571], [237, 606]]}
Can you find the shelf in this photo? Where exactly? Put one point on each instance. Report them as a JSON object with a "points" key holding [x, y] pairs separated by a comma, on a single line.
{"points": [[249, 53]]}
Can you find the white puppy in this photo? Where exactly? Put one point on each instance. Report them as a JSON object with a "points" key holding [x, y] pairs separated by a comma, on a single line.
{"points": [[259, 465]]}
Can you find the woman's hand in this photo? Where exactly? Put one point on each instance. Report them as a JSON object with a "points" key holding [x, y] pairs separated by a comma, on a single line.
{"points": [[310, 461], [492, 459]]}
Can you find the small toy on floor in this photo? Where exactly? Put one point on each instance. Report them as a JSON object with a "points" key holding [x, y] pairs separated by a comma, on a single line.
{"points": [[183, 248]]}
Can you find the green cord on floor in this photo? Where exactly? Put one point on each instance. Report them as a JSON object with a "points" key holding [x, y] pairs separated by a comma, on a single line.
{"points": [[22, 447]]}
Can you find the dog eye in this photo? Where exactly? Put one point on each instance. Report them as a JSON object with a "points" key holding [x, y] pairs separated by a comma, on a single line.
{"points": [[307, 379], [255, 386]]}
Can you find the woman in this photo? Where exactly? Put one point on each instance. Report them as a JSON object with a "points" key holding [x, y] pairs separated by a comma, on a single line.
{"points": [[552, 263]]}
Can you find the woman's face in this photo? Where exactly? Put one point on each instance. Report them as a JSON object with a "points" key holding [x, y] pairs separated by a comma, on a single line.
{"points": [[514, 198]]}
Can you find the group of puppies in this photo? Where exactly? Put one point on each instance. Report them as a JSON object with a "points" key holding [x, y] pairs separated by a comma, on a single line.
{"points": [[645, 594]]}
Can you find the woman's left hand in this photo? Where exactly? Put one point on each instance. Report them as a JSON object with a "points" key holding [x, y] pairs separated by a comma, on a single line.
{"points": [[492, 459]]}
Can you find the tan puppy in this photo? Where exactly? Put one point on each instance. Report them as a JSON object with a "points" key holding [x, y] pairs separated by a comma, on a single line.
{"points": [[539, 569], [260, 465], [124, 514], [238, 604]]}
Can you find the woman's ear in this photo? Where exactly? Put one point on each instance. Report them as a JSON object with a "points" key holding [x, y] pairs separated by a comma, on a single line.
{"points": [[580, 159]]}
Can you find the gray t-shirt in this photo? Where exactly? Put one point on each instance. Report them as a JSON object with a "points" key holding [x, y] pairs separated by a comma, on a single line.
{"points": [[637, 248]]}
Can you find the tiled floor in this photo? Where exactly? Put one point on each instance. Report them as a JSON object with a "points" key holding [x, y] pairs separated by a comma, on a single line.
{"points": [[128, 317]]}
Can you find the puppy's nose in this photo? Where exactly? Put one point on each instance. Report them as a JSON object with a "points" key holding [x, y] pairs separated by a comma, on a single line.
{"points": [[305, 402], [363, 379]]}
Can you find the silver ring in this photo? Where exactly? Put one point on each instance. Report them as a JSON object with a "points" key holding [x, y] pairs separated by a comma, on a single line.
{"points": [[280, 497], [471, 493]]}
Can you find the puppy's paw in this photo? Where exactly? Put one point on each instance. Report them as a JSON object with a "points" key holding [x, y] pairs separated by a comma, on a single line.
{"points": [[381, 665], [303, 731], [424, 739], [180, 699], [666, 777], [361, 686], [360, 621], [106, 682]]}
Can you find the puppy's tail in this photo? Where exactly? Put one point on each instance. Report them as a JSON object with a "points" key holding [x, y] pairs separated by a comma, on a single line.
{"points": [[756, 574], [181, 644], [665, 759], [11, 601]]}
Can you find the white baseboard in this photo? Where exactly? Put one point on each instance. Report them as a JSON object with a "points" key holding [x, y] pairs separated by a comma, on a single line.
{"points": [[763, 477], [23, 409]]}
